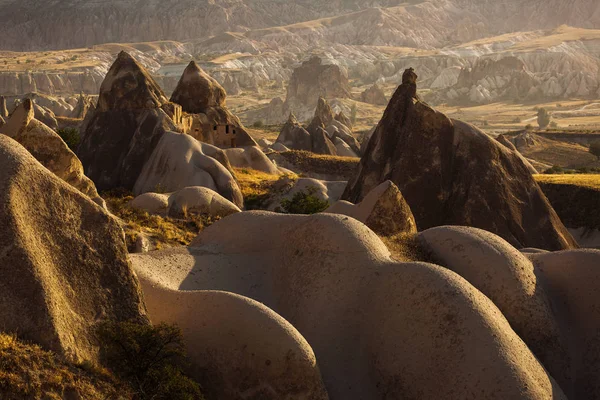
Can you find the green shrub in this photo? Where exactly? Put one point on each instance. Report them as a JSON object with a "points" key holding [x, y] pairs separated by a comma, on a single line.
{"points": [[554, 170], [304, 203], [258, 124], [149, 358], [553, 124], [528, 127], [70, 136]]}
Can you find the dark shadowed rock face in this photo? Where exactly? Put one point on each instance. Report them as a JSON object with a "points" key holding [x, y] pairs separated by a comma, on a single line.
{"points": [[126, 126], [321, 144], [294, 136], [374, 95], [451, 173], [197, 91]]}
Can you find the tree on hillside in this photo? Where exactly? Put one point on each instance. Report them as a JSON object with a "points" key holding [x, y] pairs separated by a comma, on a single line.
{"points": [[543, 118], [595, 149], [353, 111]]}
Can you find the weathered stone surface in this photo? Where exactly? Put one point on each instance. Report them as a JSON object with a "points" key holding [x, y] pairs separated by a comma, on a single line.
{"points": [[384, 210], [121, 134], [63, 260], [294, 136], [450, 173], [321, 144], [49, 149], [374, 95]]}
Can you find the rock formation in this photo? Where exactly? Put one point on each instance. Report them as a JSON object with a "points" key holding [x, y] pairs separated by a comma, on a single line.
{"points": [[251, 157], [191, 200], [335, 301], [48, 148], [3, 110], [341, 117], [64, 262], [294, 136], [324, 129], [84, 106], [314, 79], [374, 95], [204, 98], [179, 161], [126, 127], [445, 170], [384, 210]]}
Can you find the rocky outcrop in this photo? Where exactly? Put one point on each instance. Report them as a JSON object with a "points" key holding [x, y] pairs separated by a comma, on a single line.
{"points": [[179, 161], [84, 106], [3, 109], [384, 210], [197, 200], [445, 170], [324, 121], [374, 95], [314, 79], [337, 299], [49, 149], [127, 125], [294, 136], [204, 98], [320, 142], [251, 157], [341, 117], [64, 262]]}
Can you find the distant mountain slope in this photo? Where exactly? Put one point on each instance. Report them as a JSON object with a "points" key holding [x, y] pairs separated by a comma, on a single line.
{"points": [[59, 24]]}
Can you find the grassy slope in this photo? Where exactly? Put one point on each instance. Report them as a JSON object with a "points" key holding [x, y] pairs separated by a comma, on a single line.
{"points": [[28, 372]]}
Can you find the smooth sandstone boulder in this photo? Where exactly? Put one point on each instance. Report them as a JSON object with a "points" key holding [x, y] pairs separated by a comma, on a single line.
{"points": [[180, 161], [152, 203], [237, 346], [509, 279], [200, 200], [333, 280], [251, 157], [63, 260]]}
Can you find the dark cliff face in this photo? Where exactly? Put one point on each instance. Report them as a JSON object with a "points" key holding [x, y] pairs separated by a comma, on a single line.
{"points": [[450, 173]]}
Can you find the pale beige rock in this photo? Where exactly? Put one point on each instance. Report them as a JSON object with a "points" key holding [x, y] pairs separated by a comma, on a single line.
{"points": [[200, 200], [509, 279], [251, 157], [237, 346], [180, 161], [153, 203], [333, 280], [63, 260]]}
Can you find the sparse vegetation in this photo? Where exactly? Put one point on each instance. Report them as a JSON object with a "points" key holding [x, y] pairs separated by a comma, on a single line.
{"points": [[304, 203], [71, 137], [257, 187], [517, 120], [311, 163], [29, 372], [543, 118], [162, 231], [528, 127], [353, 113], [258, 124], [149, 358]]}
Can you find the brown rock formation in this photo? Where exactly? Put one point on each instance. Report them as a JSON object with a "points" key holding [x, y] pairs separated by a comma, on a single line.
{"points": [[48, 148], [341, 117], [203, 97], [64, 262], [294, 136], [374, 95], [450, 173], [3, 110], [129, 121], [314, 79]]}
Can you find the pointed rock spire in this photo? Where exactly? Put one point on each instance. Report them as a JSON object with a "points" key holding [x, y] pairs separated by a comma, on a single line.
{"points": [[197, 91], [129, 86]]}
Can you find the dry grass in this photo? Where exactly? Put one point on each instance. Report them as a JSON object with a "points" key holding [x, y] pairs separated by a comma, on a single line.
{"points": [[311, 163], [29, 372], [161, 231], [258, 187], [591, 181]]}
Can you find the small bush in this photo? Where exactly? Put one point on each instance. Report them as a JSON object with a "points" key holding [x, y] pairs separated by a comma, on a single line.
{"points": [[258, 124], [528, 127], [149, 358], [553, 124], [304, 203], [70, 136], [543, 118], [554, 170]]}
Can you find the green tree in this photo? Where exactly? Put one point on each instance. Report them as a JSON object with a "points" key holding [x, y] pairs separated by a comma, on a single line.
{"points": [[149, 358], [304, 203], [71, 137], [595, 149], [543, 118]]}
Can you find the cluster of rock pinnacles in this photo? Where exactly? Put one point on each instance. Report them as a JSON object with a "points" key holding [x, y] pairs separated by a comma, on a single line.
{"points": [[497, 303]]}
